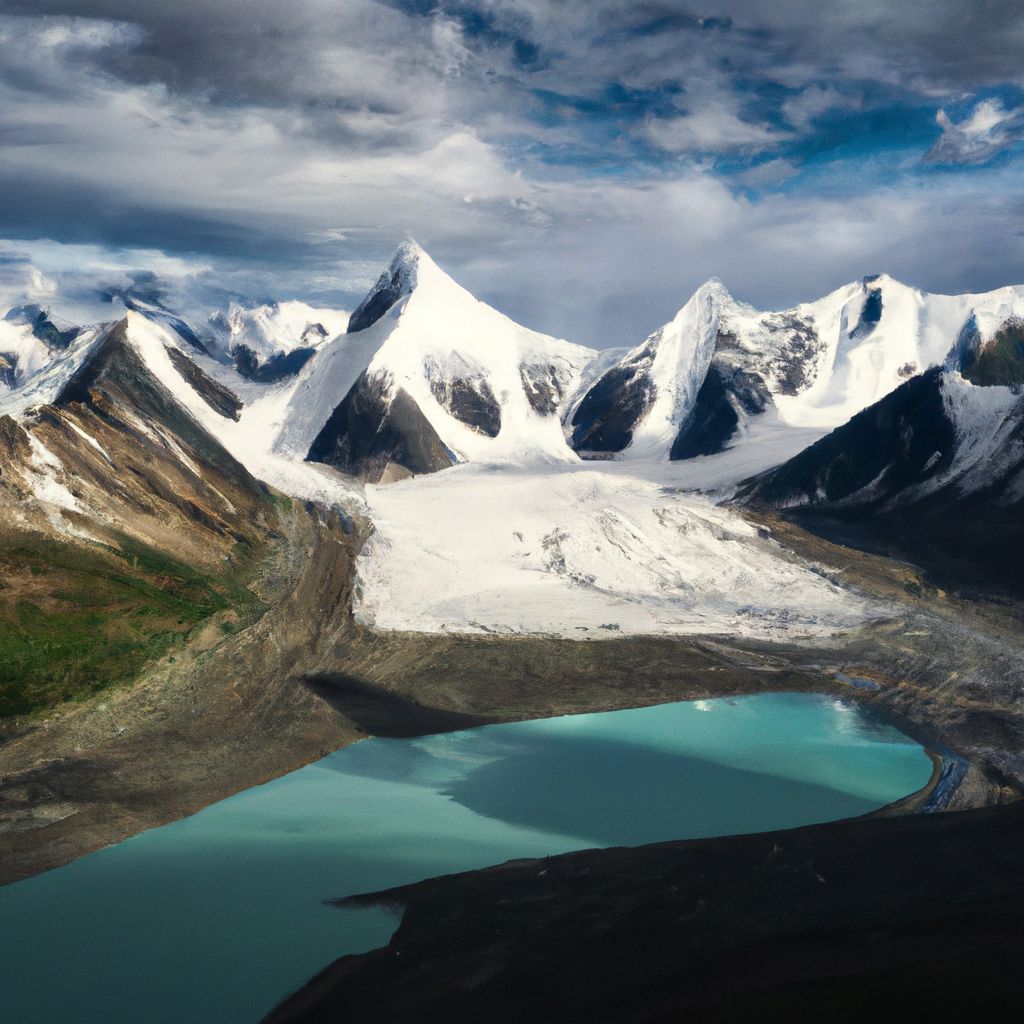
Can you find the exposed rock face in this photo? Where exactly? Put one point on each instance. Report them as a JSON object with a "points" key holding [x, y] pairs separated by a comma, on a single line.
{"points": [[544, 387], [372, 428], [391, 286], [277, 368], [611, 409], [725, 394], [870, 314], [216, 396], [1000, 361], [9, 368], [791, 366], [462, 389], [14, 444]]}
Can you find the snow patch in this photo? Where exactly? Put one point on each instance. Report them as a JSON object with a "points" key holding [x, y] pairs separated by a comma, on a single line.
{"points": [[89, 439], [44, 471]]}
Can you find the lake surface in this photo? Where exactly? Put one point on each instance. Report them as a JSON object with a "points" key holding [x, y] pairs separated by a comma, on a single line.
{"points": [[217, 917]]}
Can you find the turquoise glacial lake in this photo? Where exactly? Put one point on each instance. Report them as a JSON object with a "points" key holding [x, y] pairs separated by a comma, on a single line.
{"points": [[214, 919]]}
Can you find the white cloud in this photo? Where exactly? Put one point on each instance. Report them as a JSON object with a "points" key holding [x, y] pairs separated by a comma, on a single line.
{"points": [[768, 174], [802, 109], [292, 158], [21, 281], [710, 128], [988, 130]]}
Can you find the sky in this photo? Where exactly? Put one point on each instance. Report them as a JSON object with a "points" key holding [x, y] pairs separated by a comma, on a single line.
{"points": [[582, 165]]}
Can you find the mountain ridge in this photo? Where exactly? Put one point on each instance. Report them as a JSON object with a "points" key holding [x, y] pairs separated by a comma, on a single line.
{"points": [[475, 386]]}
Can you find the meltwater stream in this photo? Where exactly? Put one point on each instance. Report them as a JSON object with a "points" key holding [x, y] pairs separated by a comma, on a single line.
{"points": [[214, 919]]}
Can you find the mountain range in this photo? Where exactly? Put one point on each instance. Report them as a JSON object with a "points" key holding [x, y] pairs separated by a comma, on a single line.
{"points": [[423, 376], [880, 415], [472, 385]]}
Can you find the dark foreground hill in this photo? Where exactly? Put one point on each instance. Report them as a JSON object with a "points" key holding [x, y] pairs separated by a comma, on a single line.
{"points": [[850, 921]]}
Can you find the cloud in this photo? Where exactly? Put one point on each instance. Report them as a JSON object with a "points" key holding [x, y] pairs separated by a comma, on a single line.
{"points": [[583, 165], [988, 130], [766, 175], [806, 106], [21, 281], [712, 126]]}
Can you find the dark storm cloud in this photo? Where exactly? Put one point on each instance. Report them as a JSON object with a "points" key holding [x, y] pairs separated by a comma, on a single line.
{"points": [[521, 140], [61, 208], [231, 51]]}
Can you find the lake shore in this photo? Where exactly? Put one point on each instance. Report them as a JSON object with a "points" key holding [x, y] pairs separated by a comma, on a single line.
{"points": [[236, 711]]}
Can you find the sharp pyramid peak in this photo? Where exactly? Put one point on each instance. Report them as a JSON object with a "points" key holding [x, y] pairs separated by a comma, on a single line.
{"points": [[880, 280], [409, 253], [410, 268]]}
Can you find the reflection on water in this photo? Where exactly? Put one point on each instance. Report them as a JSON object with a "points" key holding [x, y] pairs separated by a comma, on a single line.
{"points": [[217, 917]]}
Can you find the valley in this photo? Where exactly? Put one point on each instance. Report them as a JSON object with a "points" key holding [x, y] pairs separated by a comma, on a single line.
{"points": [[223, 560]]}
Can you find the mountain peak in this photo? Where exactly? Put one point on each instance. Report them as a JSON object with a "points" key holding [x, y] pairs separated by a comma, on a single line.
{"points": [[713, 290], [408, 268], [409, 254], [715, 286]]}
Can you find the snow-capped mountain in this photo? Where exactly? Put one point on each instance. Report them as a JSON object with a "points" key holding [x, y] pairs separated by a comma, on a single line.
{"points": [[643, 401], [240, 416], [811, 367], [428, 376], [115, 454], [30, 339], [275, 340], [932, 471]]}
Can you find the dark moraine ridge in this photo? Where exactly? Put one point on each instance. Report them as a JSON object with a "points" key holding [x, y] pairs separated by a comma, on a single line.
{"points": [[859, 486], [842, 921], [889, 446]]}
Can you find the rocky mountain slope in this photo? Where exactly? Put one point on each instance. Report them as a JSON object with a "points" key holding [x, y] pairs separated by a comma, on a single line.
{"points": [[934, 472], [125, 524], [722, 373]]}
